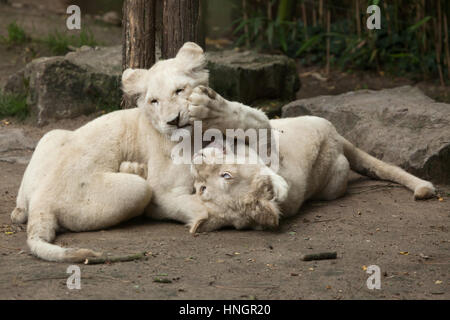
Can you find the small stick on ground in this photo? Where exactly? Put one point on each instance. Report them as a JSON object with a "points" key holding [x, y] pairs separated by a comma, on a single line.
{"points": [[319, 256], [100, 260]]}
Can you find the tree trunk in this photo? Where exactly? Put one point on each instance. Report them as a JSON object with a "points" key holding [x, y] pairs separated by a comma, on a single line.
{"points": [[181, 23], [138, 38]]}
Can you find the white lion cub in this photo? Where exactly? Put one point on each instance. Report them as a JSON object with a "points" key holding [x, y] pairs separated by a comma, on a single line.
{"points": [[314, 163]]}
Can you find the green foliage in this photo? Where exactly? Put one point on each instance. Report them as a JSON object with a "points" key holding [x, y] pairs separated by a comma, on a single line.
{"points": [[403, 45], [16, 35], [60, 43], [13, 105]]}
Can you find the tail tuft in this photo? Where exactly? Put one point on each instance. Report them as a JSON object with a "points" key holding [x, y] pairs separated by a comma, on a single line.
{"points": [[424, 191], [79, 255]]}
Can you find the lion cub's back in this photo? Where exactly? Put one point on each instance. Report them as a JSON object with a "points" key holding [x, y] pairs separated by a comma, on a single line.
{"points": [[302, 138]]}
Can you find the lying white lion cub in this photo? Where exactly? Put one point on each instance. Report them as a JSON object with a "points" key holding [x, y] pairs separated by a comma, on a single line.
{"points": [[314, 163]]}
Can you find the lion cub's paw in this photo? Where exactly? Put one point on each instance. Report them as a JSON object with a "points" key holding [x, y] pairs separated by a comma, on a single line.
{"points": [[134, 168], [268, 220], [19, 215], [204, 104], [424, 191]]}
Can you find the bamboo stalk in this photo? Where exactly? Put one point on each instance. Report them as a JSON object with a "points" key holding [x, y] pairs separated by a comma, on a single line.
{"points": [[396, 16], [314, 17], [270, 19], [388, 18], [447, 51], [304, 18], [437, 48], [424, 29], [439, 43], [245, 16], [358, 20], [321, 12], [269, 11], [420, 14], [439, 23], [328, 41]]}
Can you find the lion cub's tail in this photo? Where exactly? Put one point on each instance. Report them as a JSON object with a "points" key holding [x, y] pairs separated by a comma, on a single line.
{"points": [[367, 165], [41, 231]]}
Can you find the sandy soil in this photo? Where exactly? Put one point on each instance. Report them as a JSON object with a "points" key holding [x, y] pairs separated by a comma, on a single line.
{"points": [[376, 223]]}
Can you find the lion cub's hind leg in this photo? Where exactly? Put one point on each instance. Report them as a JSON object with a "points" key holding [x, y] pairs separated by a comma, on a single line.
{"points": [[337, 184], [19, 215], [109, 199], [104, 200]]}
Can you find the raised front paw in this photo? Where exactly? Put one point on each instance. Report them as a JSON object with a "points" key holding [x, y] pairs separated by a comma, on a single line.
{"points": [[204, 104]]}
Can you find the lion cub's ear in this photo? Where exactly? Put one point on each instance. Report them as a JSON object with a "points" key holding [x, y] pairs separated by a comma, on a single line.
{"points": [[134, 81], [192, 59]]}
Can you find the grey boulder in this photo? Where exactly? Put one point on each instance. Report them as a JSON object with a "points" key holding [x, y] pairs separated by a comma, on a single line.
{"points": [[68, 86], [400, 125], [247, 76], [15, 146]]}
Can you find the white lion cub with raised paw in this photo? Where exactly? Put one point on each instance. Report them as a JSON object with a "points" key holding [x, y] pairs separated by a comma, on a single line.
{"points": [[119, 165], [314, 163]]}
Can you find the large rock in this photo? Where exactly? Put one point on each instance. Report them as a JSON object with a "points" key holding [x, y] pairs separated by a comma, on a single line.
{"points": [[84, 80], [247, 76], [65, 87], [15, 146], [400, 126]]}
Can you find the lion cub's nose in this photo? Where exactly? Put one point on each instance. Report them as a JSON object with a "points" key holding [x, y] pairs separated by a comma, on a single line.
{"points": [[174, 121]]}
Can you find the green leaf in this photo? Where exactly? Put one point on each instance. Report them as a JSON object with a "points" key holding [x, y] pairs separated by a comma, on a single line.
{"points": [[418, 24], [309, 43], [373, 55], [270, 33], [240, 26], [283, 41]]}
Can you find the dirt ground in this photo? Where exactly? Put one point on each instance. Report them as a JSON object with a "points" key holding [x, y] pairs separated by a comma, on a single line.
{"points": [[376, 223]]}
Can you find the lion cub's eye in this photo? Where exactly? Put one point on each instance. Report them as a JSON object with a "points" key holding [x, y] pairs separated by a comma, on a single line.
{"points": [[226, 175], [153, 101], [178, 91]]}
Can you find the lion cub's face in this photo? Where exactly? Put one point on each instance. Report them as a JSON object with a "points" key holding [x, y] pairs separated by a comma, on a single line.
{"points": [[164, 88], [237, 195]]}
